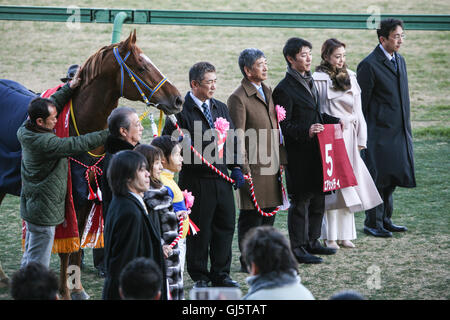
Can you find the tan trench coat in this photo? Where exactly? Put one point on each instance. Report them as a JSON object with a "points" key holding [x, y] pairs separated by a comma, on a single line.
{"points": [[263, 155]]}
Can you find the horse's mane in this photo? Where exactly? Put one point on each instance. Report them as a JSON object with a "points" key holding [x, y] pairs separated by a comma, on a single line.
{"points": [[93, 65]]}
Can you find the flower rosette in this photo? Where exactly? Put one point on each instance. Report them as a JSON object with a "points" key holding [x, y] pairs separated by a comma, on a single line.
{"points": [[281, 115], [222, 126], [189, 202]]}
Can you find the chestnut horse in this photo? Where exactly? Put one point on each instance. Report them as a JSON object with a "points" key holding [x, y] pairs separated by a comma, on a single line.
{"points": [[107, 75]]}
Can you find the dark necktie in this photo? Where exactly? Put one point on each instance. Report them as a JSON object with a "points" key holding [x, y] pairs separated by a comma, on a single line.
{"points": [[207, 114], [394, 62]]}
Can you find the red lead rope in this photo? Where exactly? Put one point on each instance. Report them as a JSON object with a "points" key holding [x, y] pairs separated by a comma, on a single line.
{"points": [[221, 174]]}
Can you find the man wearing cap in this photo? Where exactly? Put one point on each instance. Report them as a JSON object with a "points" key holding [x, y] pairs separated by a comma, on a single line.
{"points": [[70, 73]]}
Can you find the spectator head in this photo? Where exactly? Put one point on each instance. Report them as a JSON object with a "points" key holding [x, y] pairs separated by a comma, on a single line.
{"points": [[71, 72], [293, 46], [34, 282], [390, 34], [43, 113], [328, 48], [347, 295], [202, 79], [247, 62], [171, 149], [124, 123], [141, 279], [265, 249], [154, 156], [124, 170], [387, 26]]}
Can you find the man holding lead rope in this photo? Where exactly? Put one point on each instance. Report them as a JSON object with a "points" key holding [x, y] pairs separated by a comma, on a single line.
{"points": [[213, 209]]}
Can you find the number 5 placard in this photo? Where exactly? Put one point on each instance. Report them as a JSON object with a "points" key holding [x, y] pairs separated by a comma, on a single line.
{"points": [[337, 170]]}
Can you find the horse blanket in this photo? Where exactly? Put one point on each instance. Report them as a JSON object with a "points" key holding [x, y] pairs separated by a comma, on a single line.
{"points": [[14, 101]]}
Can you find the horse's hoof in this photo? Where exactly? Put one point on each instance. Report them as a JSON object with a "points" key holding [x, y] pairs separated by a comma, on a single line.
{"points": [[80, 295]]}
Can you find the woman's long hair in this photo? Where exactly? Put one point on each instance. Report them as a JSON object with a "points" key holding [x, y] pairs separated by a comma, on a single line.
{"points": [[339, 76]]}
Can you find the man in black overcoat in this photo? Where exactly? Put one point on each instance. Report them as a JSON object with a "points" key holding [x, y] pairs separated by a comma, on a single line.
{"points": [[385, 103], [304, 176], [213, 210]]}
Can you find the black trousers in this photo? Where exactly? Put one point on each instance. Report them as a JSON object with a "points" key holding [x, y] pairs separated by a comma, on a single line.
{"points": [[247, 220], [214, 213], [381, 215], [305, 218]]}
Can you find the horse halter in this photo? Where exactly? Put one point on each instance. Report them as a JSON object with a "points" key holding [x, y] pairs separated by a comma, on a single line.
{"points": [[133, 76]]}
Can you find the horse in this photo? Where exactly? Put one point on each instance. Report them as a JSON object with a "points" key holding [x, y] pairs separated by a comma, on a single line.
{"points": [[114, 71]]}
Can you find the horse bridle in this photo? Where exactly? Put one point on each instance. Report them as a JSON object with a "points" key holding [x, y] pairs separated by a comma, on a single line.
{"points": [[133, 76]]}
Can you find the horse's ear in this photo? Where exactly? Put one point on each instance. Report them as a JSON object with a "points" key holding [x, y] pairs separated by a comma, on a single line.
{"points": [[128, 43]]}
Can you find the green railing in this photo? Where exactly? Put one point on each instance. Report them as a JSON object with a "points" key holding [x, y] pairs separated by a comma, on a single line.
{"points": [[212, 18]]}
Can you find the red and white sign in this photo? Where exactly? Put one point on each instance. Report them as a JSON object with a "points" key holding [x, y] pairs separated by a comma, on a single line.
{"points": [[337, 170]]}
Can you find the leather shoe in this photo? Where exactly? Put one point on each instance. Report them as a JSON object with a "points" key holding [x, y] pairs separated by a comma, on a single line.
{"points": [[394, 228], [382, 233], [304, 256], [226, 282], [316, 248], [201, 284]]}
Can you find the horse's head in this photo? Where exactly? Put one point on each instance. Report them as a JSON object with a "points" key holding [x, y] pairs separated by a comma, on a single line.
{"points": [[141, 77], [125, 69]]}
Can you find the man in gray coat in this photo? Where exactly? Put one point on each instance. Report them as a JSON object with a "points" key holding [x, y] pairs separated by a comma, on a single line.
{"points": [[44, 171], [389, 156]]}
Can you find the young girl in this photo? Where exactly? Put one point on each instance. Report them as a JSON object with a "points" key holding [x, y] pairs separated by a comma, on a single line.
{"points": [[172, 163], [160, 206]]}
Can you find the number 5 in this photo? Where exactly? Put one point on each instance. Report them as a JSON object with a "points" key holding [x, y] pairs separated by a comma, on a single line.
{"points": [[328, 159]]}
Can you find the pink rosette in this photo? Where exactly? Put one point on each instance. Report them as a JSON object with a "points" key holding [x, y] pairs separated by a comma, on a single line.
{"points": [[281, 112], [222, 125], [188, 199]]}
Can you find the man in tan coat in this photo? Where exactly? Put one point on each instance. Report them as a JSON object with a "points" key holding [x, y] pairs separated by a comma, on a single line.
{"points": [[254, 116]]}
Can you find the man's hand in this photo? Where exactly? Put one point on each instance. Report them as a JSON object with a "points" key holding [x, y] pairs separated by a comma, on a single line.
{"points": [[315, 129], [75, 82]]}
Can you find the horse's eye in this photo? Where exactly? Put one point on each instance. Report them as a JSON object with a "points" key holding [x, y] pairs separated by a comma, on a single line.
{"points": [[140, 69]]}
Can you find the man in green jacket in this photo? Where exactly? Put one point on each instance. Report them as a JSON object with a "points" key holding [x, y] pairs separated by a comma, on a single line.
{"points": [[44, 171]]}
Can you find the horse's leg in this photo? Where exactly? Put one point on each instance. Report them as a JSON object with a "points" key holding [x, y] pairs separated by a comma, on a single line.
{"points": [[63, 288], [78, 292], [4, 280]]}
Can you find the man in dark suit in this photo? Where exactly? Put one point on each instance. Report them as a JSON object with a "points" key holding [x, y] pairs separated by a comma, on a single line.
{"points": [[304, 177], [385, 103], [213, 210]]}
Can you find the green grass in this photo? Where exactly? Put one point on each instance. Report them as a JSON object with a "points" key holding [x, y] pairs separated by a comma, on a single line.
{"points": [[413, 265]]}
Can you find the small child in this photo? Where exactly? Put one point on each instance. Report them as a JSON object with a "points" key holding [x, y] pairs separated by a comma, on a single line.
{"points": [[172, 163], [162, 216]]}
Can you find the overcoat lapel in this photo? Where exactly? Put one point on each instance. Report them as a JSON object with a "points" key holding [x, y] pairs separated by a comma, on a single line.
{"points": [[385, 61], [250, 90]]}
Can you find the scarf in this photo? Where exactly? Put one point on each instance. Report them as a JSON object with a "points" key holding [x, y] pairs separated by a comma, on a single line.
{"points": [[271, 280], [307, 81], [339, 76]]}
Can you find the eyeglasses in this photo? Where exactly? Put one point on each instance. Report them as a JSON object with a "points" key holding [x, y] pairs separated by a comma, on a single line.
{"points": [[398, 36]]}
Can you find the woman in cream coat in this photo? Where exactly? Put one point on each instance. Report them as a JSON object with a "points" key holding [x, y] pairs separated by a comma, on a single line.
{"points": [[340, 96]]}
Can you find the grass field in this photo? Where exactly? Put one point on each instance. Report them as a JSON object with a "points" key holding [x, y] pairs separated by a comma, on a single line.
{"points": [[413, 265]]}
